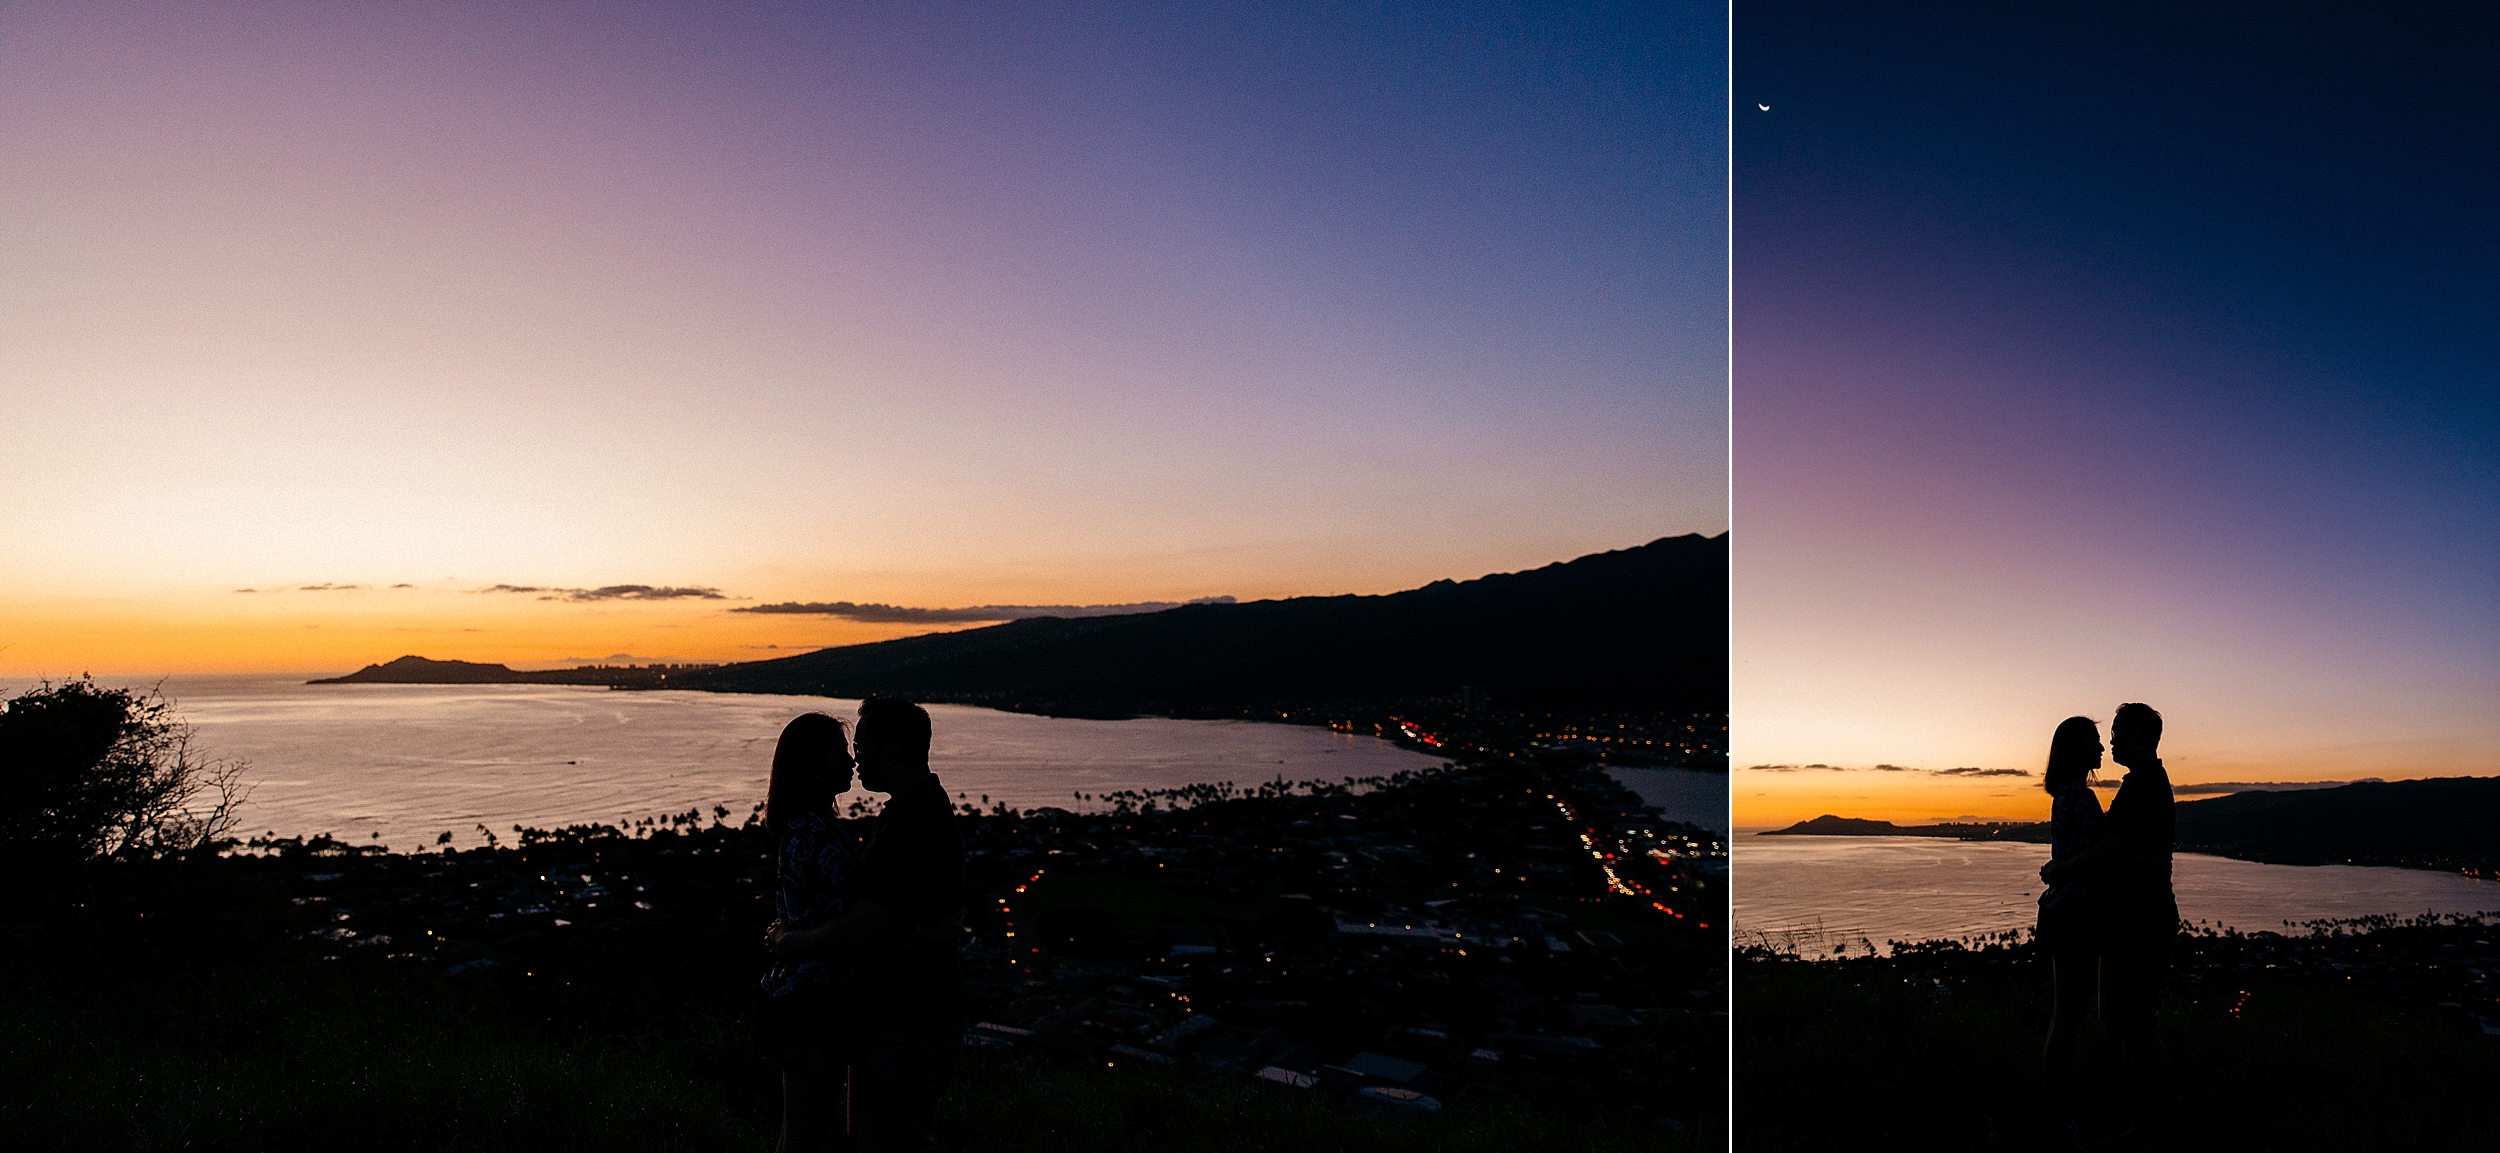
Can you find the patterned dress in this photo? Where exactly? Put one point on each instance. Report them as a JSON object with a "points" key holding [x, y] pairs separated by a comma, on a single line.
{"points": [[2066, 912], [817, 872]]}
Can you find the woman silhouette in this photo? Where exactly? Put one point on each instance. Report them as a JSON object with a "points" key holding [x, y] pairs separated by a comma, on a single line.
{"points": [[2070, 922], [798, 1025]]}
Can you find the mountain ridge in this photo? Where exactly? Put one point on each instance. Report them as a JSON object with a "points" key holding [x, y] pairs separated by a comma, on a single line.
{"points": [[1637, 628]]}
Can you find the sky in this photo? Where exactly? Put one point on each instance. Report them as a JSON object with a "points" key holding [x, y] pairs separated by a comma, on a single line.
{"points": [[2111, 353], [371, 309]]}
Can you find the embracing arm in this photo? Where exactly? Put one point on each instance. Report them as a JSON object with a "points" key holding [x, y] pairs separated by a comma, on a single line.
{"points": [[2106, 852], [2109, 848], [865, 925]]}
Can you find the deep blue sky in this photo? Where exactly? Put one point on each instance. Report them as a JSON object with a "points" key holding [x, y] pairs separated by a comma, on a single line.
{"points": [[2112, 352]]}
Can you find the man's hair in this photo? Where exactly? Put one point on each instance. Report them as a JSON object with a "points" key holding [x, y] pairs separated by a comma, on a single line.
{"points": [[897, 722], [2138, 719]]}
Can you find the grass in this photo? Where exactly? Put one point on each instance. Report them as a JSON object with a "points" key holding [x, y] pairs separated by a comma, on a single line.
{"points": [[183, 1011], [1916, 1055], [1076, 1109], [294, 1057], [290, 1056]]}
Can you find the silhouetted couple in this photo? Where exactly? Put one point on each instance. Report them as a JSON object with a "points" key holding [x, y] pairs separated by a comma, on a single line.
{"points": [[2108, 919], [862, 1006]]}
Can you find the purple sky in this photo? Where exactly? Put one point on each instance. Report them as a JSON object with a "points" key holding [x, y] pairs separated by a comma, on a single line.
{"points": [[911, 304]]}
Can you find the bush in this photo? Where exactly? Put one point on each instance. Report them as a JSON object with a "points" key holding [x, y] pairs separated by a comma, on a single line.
{"points": [[88, 772]]}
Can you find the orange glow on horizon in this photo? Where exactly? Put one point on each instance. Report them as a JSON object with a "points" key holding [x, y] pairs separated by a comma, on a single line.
{"points": [[1770, 800], [1777, 799], [299, 633]]}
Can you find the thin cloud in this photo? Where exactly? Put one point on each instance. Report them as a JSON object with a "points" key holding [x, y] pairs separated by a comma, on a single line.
{"points": [[2210, 787], [902, 615], [613, 593], [1965, 771], [319, 588]]}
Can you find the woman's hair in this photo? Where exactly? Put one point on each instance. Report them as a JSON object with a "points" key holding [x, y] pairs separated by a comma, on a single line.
{"points": [[811, 766], [2073, 753]]}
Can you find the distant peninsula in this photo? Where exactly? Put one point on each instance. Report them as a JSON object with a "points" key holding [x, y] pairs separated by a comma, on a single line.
{"points": [[416, 670], [2451, 824], [1827, 825]]}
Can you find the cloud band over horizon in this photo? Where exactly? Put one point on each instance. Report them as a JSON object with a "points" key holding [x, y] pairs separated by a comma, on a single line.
{"points": [[899, 614], [1963, 771], [613, 593]]}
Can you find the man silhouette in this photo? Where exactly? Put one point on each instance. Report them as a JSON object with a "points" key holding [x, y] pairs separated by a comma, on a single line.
{"points": [[904, 932], [2129, 866]]}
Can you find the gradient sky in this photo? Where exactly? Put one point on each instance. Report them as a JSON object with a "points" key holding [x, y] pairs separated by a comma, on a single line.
{"points": [[2107, 353], [911, 304]]}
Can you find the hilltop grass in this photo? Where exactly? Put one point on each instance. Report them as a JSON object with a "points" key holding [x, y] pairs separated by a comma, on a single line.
{"points": [[1072, 1109], [282, 1052], [184, 1009], [308, 1055], [1874, 1055]]}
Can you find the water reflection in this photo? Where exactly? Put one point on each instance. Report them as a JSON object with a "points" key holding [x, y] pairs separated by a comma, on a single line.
{"points": [[1821, 893], [402, 763]]}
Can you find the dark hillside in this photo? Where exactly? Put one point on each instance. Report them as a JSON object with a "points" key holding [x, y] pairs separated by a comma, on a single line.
{"points": [[1638, 628], [2443, 823]]}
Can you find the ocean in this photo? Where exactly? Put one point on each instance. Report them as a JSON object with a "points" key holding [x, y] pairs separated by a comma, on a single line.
{"points": [[399, 765], [1818, 894]]}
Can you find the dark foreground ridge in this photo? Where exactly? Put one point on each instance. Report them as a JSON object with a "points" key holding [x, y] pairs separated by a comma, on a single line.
{"points": [[1506, 950], [2374, 1034], [2443, 823]]}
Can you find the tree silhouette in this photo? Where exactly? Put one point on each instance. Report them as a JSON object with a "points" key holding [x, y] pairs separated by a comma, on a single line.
{"points": [[88, 772]]}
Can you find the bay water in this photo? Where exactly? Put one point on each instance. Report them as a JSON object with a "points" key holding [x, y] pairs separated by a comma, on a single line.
{"points": [[1823, 895], [399, 765]]}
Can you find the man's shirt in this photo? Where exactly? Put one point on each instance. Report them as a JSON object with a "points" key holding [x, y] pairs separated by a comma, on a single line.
{"points": [[2144, 820], [915, 869]]}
